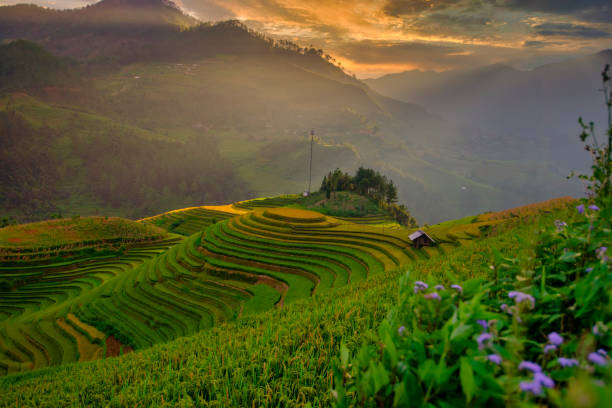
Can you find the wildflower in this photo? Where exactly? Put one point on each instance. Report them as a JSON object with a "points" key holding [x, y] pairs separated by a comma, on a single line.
{"points": [[457, 288], [580, 208], [433, 295], [567, 362], [544, 380], [531, 386], [601, 253], [520, 297], [555, 338], [482, 339], [440, 287], [494, 358], [597, 358], [602, 352], [483, 323], [595, 330], [588, 270], [549, 347], [593, 207], [401, 330], [528, 365], [560, 225], [419, 286], [504, 307]]}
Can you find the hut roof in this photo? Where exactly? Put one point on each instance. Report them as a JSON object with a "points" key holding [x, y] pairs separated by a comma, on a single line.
{"points": [[419, 233]]}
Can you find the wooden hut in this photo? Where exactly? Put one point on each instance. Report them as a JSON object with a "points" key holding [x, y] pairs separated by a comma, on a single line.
{"points": [[420, 239]]}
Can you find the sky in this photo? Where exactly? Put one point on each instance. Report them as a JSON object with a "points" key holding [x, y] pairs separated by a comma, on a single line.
{"points": [[376, 37]]}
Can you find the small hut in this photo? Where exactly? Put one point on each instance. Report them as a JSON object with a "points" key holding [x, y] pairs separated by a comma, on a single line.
{"points": [[420, 239]]}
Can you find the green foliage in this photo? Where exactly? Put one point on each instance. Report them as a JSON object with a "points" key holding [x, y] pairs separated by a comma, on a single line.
{"points": [[434, 350]]}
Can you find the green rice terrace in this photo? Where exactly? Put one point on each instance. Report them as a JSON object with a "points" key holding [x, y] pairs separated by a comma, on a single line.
{"points": [[131, 285], [236, 284]]}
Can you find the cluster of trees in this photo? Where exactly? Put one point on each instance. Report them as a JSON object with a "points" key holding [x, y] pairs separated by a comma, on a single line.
{"points": [[371, 184], [366, 182]]}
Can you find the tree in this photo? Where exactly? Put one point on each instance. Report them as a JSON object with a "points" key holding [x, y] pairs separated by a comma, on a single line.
{"points": [[391, 193]]}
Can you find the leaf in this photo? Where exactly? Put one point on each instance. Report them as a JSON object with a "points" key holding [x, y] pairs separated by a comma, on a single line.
{"points": [[466, 375], [461, 331], [344, 356], [569, 256], [379, 375]]}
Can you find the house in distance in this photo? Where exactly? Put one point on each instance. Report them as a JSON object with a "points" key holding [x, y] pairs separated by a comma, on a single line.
{"points": [[420, 239]]}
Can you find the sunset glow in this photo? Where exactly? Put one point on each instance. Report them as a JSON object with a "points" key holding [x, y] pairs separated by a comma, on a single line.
{"points": [[373, 37]]}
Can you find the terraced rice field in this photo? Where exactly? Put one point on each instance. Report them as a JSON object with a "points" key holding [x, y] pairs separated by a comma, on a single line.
{"points": [[190, 220], [268, 202], [157, 291], [37, 328]]}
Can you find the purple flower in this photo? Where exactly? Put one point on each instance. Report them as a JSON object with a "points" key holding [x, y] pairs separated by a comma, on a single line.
{"points": [[482, 339], [533, 387], [593, 207], [595, 330], [520, 297], [549, 347], [555, 338], [601, 252], [544, 380], [602, 352], [494, 358], [457, 288], [597, 358], [483, 323], [567, 362], [528, 365], [440, 287], [401, 330], [419, 286], [504, 307], [580, 208], [433, 295], [560, 225], [588, 270]]}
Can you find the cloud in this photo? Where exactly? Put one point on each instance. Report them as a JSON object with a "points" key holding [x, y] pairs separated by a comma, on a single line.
{"points": [[570, 30], [398, 8], [418, 54], [553, 6]]}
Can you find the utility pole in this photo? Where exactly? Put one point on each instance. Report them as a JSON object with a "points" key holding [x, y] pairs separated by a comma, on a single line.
{"points": [[310, 163]]}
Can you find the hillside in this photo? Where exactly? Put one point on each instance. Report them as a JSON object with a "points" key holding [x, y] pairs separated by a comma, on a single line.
{"points": [[255, 99], [251, 353], [159, 287], [64, 160]]}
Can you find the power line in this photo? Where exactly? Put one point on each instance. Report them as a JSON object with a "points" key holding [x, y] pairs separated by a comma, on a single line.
{"points": [[312, 132]]}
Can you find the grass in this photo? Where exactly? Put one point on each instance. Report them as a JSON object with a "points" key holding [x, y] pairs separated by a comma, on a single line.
{"points": [[282, 357], [74, 231]]}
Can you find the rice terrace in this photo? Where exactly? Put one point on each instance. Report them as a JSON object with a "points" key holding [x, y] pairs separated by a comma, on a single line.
{"points": [[305, 203]]}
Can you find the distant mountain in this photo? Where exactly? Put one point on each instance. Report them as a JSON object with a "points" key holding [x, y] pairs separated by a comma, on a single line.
{"points": [[249, 101], [107, 32], [511, 112]]}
